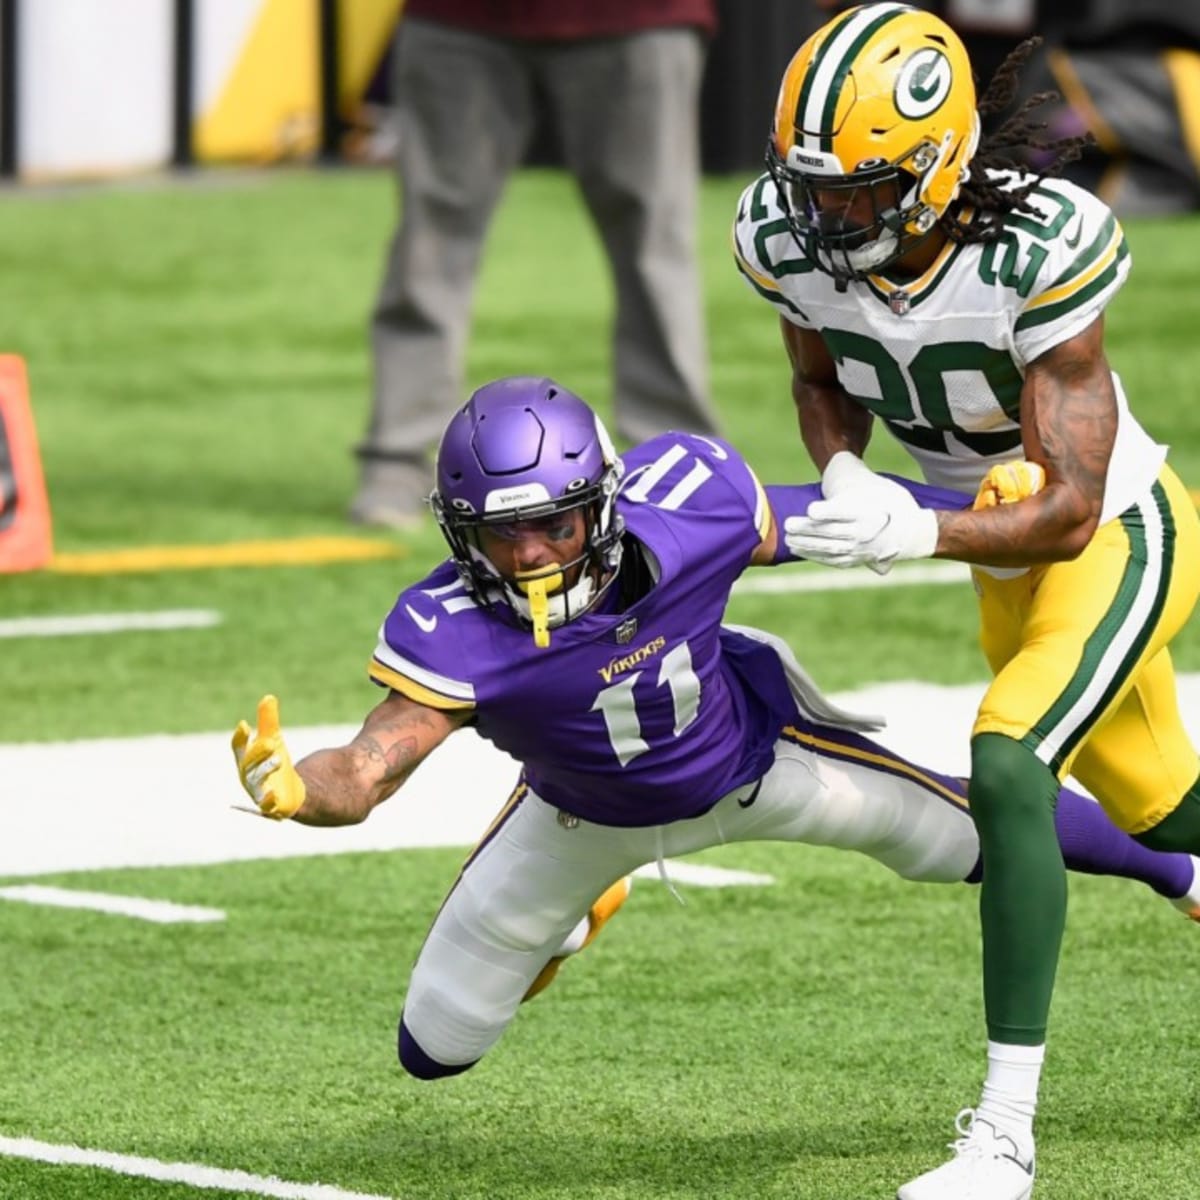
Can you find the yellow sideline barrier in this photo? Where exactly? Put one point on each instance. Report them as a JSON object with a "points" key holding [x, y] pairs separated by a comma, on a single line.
{"points": [[292, 552]]}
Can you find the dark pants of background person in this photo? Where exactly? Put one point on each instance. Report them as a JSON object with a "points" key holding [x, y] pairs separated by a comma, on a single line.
{"points": [[625, 111]]}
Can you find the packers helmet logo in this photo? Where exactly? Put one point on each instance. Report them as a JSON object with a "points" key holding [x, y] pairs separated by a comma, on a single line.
{"points": [[923, 84]]}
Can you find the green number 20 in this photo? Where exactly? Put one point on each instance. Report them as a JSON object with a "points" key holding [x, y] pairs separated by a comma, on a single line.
{"points": [[919, 412]]}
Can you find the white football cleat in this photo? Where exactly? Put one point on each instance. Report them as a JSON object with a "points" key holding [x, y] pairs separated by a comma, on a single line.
{"points": [[986, 1166], [1189, 902]]}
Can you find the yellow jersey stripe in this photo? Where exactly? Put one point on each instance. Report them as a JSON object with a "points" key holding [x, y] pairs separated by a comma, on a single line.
{"points": [[926, 281], [887, 761], [415, 691], [1105, 260], [763, 281], [762, 509]]}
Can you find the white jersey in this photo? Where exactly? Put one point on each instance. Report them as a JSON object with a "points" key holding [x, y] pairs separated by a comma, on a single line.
{"points": [[941, 359]]}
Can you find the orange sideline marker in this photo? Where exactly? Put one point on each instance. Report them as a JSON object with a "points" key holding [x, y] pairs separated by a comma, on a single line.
{"points": [[25, 539]]}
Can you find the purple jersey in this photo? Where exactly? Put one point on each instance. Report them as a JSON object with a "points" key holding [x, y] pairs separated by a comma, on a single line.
{"points": [[637, 717]]}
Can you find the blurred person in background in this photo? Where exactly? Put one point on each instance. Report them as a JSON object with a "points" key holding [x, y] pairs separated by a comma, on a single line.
{"points": [[619, 80], [1129, 75]]}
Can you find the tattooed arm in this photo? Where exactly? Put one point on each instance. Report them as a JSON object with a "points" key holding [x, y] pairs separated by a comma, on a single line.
{"points": [[344, 784], [1068, 425]]}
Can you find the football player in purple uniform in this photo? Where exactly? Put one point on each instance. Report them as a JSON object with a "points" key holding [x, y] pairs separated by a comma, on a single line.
{"points": [[591, 592]]}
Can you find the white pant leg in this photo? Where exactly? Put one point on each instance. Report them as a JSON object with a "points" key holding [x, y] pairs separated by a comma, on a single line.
{"points": [[886, 809], [535, 877], [530, 882]]}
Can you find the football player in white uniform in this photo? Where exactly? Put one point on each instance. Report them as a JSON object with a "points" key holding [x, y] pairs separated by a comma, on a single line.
{"points": [[926, 280]]}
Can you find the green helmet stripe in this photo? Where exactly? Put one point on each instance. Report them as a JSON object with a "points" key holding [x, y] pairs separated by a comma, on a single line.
{"points": [[835, 28], [830, 66]]}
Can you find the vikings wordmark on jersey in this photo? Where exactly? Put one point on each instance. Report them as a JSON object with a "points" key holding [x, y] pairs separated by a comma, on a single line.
{"points": [[643, 708]]}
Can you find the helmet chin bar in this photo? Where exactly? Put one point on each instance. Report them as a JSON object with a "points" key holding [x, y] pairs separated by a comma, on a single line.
{"points": [[540, 599], [901, 220]]}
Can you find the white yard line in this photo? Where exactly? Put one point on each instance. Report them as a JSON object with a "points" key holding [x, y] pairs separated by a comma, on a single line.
{"points": [[162, 912], [193, 1174], [90, 623], [809, 579], [90, 805]]}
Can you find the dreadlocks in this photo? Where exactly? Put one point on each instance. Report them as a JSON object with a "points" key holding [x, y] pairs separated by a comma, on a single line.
{"points": [[1002, 151]]}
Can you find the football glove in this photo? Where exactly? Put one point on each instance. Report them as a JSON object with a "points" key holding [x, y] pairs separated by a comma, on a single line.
{"points": [[265, 766], [845, 474], [871, 527], [1009, 482]]}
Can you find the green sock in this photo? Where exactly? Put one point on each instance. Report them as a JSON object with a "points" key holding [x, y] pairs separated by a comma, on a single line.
{"points": [[1023, 903], [1178, 830]]}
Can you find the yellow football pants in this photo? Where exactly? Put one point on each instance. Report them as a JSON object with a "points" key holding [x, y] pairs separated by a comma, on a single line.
{"points": [[1083, 676]]}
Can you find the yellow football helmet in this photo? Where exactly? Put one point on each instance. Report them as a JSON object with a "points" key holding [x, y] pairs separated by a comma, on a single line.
{"points": [[880, 99]]}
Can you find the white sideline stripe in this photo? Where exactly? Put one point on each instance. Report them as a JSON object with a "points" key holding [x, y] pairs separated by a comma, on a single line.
{"points": [[193, 1174], [164, 912], [86, 623], [698, 875], [96, 804], [805, 579]]}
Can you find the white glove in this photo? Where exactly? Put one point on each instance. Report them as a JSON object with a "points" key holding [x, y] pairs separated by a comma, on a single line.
{"points": [[870, 526], [845, 472]]}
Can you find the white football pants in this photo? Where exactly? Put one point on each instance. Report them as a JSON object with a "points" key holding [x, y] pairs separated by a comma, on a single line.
{"points": [[537, 872]]}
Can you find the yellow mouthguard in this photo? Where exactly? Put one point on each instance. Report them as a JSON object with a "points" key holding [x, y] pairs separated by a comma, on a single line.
{"points": [[539, 605]]}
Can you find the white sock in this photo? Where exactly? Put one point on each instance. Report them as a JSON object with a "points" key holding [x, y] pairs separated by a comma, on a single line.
{"points": [[1010, 1091], [1190, 900]]}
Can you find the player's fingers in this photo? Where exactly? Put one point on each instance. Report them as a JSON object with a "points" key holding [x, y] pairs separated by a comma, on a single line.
{"points": [[256, 774], [268, 717], [269, 806], [803, 527], [831, 555], [240, 739]]}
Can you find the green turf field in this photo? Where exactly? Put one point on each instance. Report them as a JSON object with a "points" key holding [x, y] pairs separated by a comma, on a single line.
{"points": [[198, 365]]}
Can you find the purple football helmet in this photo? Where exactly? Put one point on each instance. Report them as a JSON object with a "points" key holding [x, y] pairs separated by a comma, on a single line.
{"points": [[522, 449]]}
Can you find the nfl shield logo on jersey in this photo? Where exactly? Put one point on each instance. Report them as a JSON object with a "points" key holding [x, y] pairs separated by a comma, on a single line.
{"points": [[626, 630], [898, 302]]}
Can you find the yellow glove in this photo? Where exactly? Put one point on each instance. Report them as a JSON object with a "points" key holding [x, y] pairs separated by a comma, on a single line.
{"points": [[265, 766], [1010, 482]]}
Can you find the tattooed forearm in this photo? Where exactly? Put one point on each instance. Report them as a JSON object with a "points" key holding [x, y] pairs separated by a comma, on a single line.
{"points": [[1069, 425], [345, 784]]}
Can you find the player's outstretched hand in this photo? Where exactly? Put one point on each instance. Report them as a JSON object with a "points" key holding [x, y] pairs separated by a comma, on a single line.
{"points": [[265, 766], [1009, 482]]}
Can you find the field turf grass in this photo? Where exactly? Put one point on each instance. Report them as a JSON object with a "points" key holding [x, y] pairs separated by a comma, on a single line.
{"points": [[197, 355]]}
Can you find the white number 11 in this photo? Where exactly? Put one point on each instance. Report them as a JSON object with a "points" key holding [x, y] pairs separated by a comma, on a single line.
{"points": [[618, 705]]}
